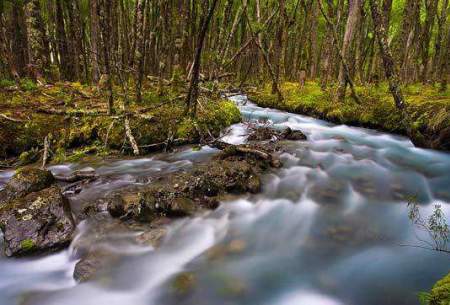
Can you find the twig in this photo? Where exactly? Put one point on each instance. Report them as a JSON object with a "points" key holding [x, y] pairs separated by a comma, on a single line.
{"points": [[45, 155], [130, 136], [9, 118]]}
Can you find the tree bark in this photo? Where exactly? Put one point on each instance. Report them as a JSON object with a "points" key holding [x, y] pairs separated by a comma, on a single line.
{"points": [[352, 23], [388, 61], [20, 39], [192, 96], [94, 53]]}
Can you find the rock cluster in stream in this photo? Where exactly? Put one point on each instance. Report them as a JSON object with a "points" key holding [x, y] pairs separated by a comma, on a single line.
{"points": [[233, 171], [34, 215]]}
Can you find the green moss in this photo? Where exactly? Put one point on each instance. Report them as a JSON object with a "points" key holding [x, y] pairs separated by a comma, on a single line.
{"points": [[27, 244], [440, 293], [428, 108], [5, 83]]}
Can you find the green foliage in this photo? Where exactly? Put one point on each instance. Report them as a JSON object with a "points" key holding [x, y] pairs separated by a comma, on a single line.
{"points": [[435, 226], [27, 85], [439, 294], [5, 83], [429, 109]]}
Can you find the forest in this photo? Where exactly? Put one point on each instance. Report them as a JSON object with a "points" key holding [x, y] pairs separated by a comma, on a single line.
{"points": [[131, 129]]}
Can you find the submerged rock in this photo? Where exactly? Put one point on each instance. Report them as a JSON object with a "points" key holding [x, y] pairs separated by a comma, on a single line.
{"points": [[38, 222]]}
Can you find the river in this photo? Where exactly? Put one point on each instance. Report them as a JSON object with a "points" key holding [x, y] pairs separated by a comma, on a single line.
{"points": [[331, 227]]}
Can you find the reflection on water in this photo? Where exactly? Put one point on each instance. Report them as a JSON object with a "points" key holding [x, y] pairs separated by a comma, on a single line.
{"points": [[327, 230]]}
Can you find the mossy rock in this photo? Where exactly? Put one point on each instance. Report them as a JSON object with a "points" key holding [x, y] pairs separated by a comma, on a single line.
{"points": [[22, 221], [26, 181]]}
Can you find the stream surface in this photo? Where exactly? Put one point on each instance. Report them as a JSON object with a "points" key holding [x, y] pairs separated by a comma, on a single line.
{"points": [[329, 228]]}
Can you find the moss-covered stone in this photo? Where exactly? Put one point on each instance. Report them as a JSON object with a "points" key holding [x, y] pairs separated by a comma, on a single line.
{"points": [[25, 181], [38, 222]]}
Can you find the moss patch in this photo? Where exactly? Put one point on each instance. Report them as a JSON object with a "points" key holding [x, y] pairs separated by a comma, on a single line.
{"points": [[428, 108], [84, 128], [440, 293], [27, 244]]}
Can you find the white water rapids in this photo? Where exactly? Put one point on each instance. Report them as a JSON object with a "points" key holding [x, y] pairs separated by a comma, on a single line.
{"points": [[328, 229]]}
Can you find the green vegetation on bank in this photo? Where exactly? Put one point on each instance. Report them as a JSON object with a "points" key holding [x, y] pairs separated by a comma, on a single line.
{"points": [[74, 118], [428, 108], [439, 294]]}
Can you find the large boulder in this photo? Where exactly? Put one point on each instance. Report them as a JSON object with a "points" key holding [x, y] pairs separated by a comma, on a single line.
{"points": [[26, 181], [38, 222]]}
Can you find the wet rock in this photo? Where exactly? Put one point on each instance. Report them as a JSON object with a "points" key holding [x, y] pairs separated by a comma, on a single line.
{"points": [[26, 181], [443, 140], [268, 133], [92, 262], [184, 282], [39, 222], [293, 135], [118, 204]]}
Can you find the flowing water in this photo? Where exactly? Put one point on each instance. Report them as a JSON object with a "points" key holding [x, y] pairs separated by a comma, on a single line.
{"points": [[331, 227]]}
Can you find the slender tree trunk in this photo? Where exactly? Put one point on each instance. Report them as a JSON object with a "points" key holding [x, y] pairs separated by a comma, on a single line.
{"points": [[352, 23], [388, 62], [333, 29], [192, 96], [20, 40], [444, 68], [431, 9], [439, 53], [94, 53], [105, 20], [142, 30], [66, 67]]}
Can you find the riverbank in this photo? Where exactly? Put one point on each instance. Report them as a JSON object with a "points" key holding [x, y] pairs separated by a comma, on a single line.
{"points": [[428, 109], [74, 119]]}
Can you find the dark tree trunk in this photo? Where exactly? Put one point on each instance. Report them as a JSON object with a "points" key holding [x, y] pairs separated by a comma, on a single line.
{"points": [[192, 96], [43, 47], [66, 67], [94, 52], [20, 39]]}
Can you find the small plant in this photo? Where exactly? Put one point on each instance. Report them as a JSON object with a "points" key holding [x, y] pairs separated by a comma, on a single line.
{"points": [[435, 226], [5, 83], [27, 85]]}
